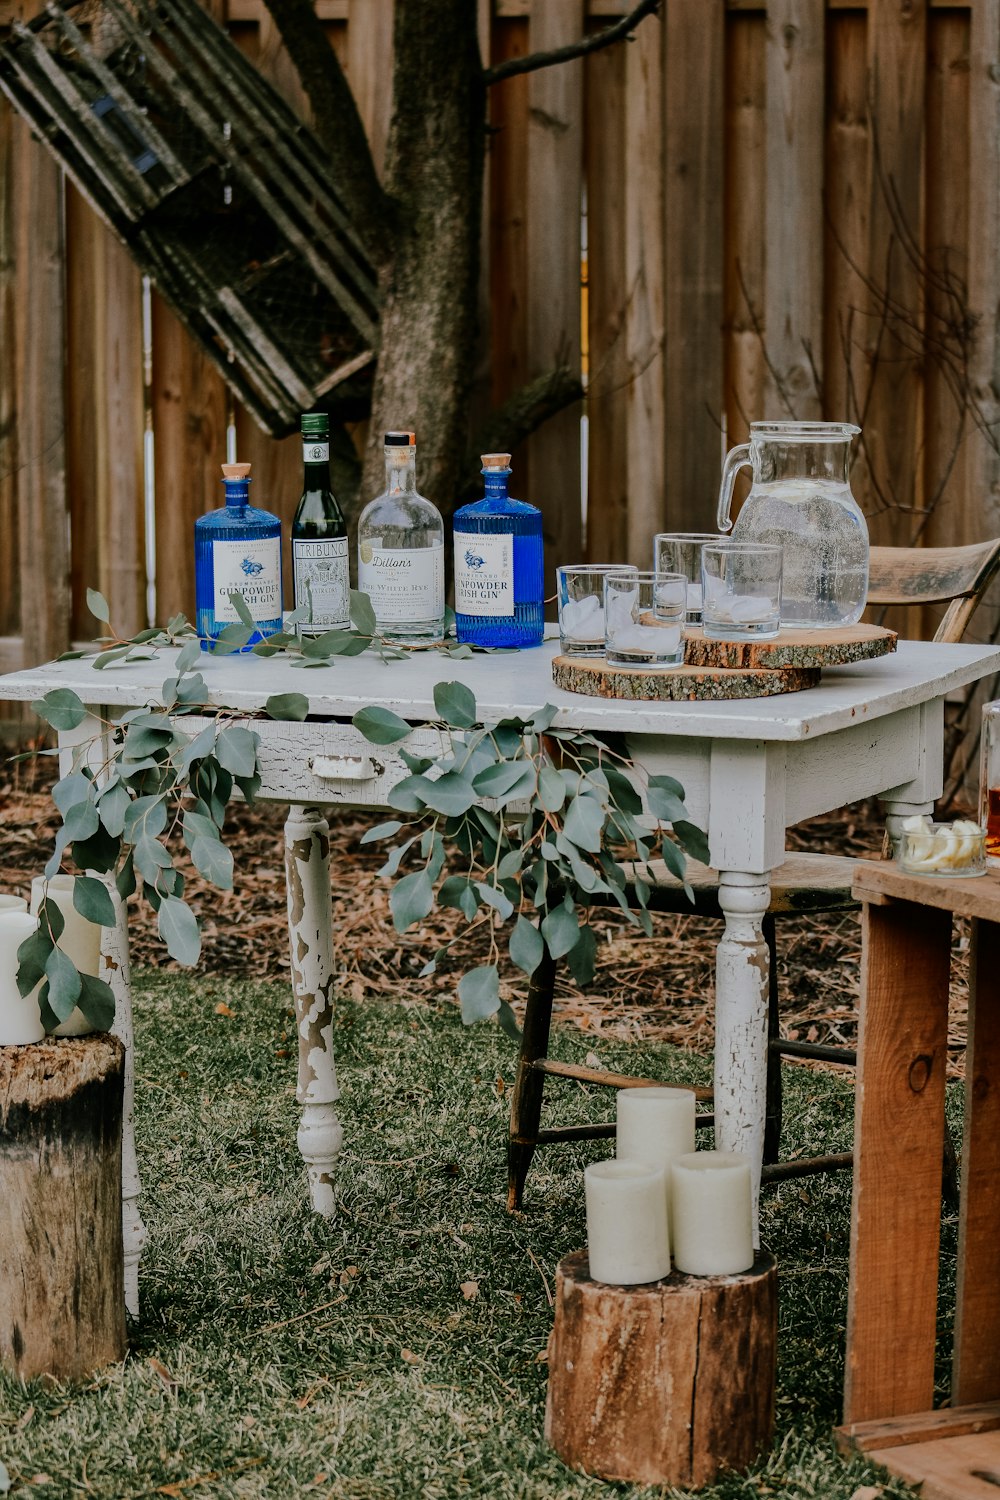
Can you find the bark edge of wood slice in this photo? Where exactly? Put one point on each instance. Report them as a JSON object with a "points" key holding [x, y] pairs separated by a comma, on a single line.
{"points": [[666, 1383], [791, 648], [62, 1273], [596, 678]]}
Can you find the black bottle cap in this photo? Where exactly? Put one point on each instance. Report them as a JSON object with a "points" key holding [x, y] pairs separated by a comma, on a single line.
{"points": [[399, 440]]}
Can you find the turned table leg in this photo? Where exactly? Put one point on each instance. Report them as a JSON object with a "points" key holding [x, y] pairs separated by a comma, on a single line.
{"points": [[741, 1002], [115, 961], [307, 870]]}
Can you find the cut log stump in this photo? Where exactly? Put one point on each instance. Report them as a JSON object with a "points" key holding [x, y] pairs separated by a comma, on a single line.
{"points": [[665, 1383], [62, 1279]]}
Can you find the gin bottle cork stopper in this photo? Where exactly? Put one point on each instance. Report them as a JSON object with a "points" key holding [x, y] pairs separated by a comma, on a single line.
{"points": [[236, 471], [495, 460]]}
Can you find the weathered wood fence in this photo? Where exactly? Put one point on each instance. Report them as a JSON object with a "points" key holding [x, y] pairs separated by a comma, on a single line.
{"points": [[792, 207]]}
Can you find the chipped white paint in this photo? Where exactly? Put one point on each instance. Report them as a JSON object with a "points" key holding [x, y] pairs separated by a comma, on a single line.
{"points": [[115, 963], [741, 975], [307, 871]]}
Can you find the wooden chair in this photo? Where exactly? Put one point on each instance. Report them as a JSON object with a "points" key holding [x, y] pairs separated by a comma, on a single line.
{"points": [[804, 884]]}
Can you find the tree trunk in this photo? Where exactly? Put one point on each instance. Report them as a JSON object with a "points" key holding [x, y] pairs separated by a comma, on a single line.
{"points": [[433, 175], [62, 1292], [666, 1383]]}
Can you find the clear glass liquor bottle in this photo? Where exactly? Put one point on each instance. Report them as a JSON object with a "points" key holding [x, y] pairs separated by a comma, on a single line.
{"points": [[237, 549], [499, 567], [320, 564], [401, 552]]}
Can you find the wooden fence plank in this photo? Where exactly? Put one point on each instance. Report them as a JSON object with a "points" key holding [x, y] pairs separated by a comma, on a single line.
{"points": [[43, 538], [121, 514], [846, 178], [897, 42], [10, 577], [984, 264], [507, 145], [607, 164], [85, 308], [644, 291], [369, 68], [745, 142], [555, 166], [693, 115], [793, 300]]}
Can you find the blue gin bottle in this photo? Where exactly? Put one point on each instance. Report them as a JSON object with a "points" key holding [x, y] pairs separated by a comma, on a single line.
{"points": [[499, 568], [237, 549]]}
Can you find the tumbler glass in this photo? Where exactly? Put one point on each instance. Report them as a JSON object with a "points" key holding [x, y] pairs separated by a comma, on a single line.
{"points": [[680, 552], [741, 590], [581, 606], [644, 619]]}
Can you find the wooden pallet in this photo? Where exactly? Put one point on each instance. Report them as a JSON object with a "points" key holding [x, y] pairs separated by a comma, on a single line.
{"points": [[952, 1454], [595, 677]]}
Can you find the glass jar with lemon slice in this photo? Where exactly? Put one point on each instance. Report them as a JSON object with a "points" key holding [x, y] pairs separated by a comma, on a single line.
{"points": [[948, 849]]}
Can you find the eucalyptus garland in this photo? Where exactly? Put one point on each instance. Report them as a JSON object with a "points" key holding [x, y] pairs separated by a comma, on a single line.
{"points": [[515, 824]]}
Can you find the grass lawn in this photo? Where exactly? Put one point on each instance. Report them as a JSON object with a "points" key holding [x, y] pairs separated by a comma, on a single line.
{"points": [[400, 1350]]}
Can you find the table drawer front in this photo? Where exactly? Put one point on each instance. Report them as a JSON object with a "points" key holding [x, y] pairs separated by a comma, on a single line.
{"points": [[328, 764]]}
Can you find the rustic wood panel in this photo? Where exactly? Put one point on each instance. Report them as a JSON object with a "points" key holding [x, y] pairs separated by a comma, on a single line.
{"points": [[745, 130], [10, 576], [608, 374], [793, 292], [555, 177], [694, 71], [507, 145], [845, 251]]}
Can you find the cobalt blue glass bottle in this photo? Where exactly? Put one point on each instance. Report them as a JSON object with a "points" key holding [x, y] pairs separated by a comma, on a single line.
{"points": [[499, 567], [237, 549]]}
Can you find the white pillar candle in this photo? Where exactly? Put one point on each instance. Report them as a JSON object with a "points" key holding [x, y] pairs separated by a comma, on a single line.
{"points": [[20, 1021], [627, 1239], [13, 903], [80, 940], [655, 1125], [711, 1213]]}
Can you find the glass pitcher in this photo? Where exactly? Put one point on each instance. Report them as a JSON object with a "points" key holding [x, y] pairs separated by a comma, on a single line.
{"points": [[801, 498]]}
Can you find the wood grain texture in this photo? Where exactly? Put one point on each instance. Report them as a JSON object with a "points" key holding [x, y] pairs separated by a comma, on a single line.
{"points": [[983, 464], [847, 176], [10, 577], [693, 37], [974, 896], [793, 294], [898, 1134], [594, 676], [508, 174], [976, 1365], [369, 69], [745, 146], [922, 1427], [931, 575], [62, 1302], [555, 178], [666, 1383], [958, 1468], [119, 423], [791, 648]]}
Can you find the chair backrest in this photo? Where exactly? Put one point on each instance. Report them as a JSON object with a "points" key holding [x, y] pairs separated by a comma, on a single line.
{"points": [[956, 576]]}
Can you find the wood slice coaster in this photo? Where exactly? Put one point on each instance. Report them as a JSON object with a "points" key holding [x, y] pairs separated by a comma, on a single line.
{"points": [[790, 648], [594, 676]]}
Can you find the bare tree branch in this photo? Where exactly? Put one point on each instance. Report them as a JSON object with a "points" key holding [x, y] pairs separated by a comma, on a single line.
{"points": [[337, 122], [518, 418], [582, 48]]}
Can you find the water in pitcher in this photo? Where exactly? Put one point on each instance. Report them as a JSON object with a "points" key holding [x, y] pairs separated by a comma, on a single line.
{"points": [[825, 541]]}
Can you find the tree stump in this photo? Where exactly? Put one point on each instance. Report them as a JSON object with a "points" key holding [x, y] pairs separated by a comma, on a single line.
{"points": [[665, 1383], [62, 1279], [596, 678]]}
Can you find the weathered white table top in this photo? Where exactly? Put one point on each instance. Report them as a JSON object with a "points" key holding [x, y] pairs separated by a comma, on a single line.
{"points": [[519, 683]]}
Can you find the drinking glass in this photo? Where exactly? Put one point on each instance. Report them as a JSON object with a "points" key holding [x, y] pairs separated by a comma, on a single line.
{"points": [[741, 590], [644, 619], [581, 606], [680, 552]]}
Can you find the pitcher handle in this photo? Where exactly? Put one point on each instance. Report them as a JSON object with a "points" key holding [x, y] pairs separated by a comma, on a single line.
{"points": [[735, 459]]}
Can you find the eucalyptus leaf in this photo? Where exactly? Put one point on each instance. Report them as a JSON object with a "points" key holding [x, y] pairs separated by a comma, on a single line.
{"points": [[665, 806], [179, 929], [508, 1021], [105, 658], [72, 789], [232, 638], [97, 1001], [125, 878], [32, 957], [508, 778], [362, 613], [561, 929], [92, 900], [411, 900], [492, 897], [150, 858], [61, 708], [452, 793], [241, 607], [584, 823], [100, 852], [694, 841], [479, 992], [80, 821], [291, 707], [551, 789], [202, 744], [380, 831], [112, 806], [542, 718], [236, 750], [98, 606], [526, 946], [64, 983], [380, 726], [145, 817], [214, 861], [455, 704], [187, 657]]}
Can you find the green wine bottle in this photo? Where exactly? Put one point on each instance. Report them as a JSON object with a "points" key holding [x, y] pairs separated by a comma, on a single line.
{"points": [[320, 566]]}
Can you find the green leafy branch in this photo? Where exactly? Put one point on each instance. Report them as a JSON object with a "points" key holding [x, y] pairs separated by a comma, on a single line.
{"points": [[544, 823]]}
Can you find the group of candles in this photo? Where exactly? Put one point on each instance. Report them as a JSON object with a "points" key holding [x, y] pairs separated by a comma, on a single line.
{"points": [[80, 940], [659, 1195]]}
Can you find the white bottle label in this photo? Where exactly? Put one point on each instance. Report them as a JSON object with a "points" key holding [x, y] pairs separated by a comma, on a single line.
{"points": [[405, 585], [251, 568], [314, 452], [484, 574], [322, 582]]}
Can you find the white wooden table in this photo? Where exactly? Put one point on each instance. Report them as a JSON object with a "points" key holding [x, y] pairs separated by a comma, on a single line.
{"points": [[749, 769]]}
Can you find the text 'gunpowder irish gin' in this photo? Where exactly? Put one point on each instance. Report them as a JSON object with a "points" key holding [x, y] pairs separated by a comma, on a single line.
{"points": [[499, 569], [401, 552], [237, 550]]}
